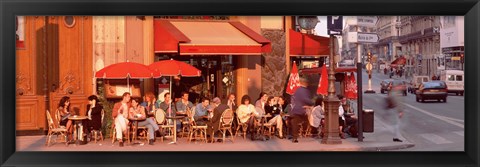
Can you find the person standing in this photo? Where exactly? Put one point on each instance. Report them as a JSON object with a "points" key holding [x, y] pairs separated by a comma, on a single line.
{"points": [[120, 115], [395, 108], [300, 100]]}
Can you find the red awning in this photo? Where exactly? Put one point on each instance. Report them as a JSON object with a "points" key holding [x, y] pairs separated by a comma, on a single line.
{"points": [[186, 37], [308, 45], [399, 61], [318, 70]]}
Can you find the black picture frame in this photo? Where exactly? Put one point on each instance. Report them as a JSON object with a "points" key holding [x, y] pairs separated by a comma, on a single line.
{"points": [[8, 9]]}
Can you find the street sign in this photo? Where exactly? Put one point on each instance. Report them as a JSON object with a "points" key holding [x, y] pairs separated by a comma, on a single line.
{"points": [[362, 37], [334, 25], [365, 21]]}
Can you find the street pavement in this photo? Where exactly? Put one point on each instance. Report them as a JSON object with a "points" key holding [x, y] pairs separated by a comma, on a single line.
{"points": [[432, 126]]}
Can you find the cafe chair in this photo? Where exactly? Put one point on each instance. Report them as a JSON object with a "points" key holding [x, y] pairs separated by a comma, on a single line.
{"points": [[243, 127], [197, 132], [98, 132], [226, 124], [160, 117], [54, 129], [114, 132], [186, 122], [267, 129]]}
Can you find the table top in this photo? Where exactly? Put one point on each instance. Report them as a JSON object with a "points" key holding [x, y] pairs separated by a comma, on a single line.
{"points": [[175, 117], [137, 119], [77, 117]]}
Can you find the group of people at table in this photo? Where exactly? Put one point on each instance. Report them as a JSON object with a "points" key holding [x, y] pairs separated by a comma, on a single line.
{"points": [[208, 112]]}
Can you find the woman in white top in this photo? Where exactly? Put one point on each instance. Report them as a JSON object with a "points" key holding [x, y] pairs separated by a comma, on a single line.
{"points": [[246, 113]]}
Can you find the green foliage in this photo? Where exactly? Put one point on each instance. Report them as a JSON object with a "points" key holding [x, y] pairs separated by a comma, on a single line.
{"points": [[107, 107]]}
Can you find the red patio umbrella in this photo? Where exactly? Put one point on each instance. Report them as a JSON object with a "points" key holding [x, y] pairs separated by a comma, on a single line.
{"points": [[351, 90], [293, 81], [126, 70], [323, 83], [173, 68]]}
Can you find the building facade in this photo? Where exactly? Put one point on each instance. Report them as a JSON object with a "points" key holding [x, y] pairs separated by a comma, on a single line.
{"points": [[420, 40], [452, 43], [58, 56]]}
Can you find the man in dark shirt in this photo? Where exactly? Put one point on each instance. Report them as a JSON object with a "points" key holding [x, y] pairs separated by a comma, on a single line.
{"points": [[300, 99], [177, 88], [214, 123]]}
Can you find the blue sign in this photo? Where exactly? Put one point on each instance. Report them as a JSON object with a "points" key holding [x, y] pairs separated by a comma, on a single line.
{"points": [[334, 25]]}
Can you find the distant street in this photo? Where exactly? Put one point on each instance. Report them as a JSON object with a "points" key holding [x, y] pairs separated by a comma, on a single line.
{"points": [[431, 126]]}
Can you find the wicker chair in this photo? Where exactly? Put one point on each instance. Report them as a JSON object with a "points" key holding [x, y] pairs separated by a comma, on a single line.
{"points": [[197, 132], [160, 117], [226, 124], [243, 127], [55, 129], [126, 134]]}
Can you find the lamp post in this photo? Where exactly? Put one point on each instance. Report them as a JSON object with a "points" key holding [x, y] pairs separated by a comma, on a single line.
{"points": [[332, 135]]}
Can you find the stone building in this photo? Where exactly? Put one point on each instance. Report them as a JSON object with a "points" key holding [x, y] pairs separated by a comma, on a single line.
{"points": [[420, 40]]}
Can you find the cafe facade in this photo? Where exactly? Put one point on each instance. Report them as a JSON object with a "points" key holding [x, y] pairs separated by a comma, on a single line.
{"points": [[58, 56]]}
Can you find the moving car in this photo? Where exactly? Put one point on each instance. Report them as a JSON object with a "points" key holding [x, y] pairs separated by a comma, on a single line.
{"points": [[416, 81], [436, 90], [386, 85]]}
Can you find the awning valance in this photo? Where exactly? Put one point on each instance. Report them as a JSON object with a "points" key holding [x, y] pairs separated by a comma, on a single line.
{"points": [[318, 70], [308, 45], [208, 38]]}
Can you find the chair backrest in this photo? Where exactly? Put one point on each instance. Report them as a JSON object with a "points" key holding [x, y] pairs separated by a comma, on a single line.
{"points": [[227, 117], [191, 115], [57, 117], [51, 124], [103, 115], [160, 116]]}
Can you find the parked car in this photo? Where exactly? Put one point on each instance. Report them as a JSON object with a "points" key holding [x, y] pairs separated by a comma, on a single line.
{"points": [[387, 84], [436, 90], [416, 81]]}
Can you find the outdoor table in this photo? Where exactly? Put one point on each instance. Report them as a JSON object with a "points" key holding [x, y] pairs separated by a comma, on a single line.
{"points": [[135, 121], [263, 119], [77, 133], [174, 118]]}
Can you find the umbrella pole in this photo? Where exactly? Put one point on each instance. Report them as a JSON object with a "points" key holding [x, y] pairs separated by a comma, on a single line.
{"points": [[128, 85], [171, 95]]}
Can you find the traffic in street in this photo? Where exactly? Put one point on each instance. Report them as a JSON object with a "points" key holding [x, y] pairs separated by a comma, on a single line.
{"points": [[431, 125]]}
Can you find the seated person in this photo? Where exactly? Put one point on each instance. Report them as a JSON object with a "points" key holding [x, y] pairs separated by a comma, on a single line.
{"points": [[94, 113], [273, 109], [218, 108], [138, 111], [350, 120], [316, 117], [201, 113], [181, 107], [246, 113], [150, 105]]}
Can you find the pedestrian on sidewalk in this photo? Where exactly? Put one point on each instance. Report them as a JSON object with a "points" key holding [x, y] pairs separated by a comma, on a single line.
{"points": [[395, 109]]}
